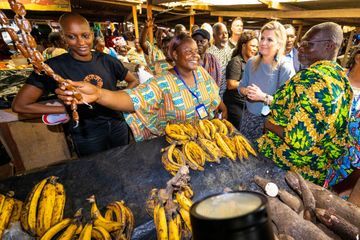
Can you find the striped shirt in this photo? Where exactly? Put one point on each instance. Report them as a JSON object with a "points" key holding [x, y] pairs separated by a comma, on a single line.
{"points": [[166, 99]]}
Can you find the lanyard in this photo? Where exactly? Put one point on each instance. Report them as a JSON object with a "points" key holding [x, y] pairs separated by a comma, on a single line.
{"points": [[187, 87]]}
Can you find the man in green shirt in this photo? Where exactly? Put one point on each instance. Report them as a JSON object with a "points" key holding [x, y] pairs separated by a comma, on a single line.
{"points": [[307, 128]]}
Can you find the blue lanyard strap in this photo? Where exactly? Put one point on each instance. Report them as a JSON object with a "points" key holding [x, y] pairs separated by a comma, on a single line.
{"points": [[187, 87]]}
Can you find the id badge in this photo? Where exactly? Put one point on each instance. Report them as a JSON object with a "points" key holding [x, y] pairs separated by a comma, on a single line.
{"points": [[201, 111], [265, 110]]}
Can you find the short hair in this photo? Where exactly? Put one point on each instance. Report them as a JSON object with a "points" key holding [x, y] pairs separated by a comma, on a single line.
{"points": [[289, 26], [54, 38], [236, 19], [244, 38], [179, 28], [351, 62], [217, 26], [332, 31], [71, 16], [177, 41]]}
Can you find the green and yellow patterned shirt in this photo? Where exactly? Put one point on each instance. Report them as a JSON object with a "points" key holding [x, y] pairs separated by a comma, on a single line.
{"points": [[313, 108]]}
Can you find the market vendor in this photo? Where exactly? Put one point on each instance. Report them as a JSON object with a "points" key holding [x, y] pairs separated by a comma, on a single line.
{"points": [[307, 128], [100, 128], [180, 95]]}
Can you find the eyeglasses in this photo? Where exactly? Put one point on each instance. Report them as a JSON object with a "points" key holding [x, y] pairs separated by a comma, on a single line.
{"points": [[306, 44]]}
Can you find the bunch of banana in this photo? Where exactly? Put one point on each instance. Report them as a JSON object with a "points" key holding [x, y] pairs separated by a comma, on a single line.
{"points": [[172, 218], [175, 132], [118, 220], [7, 211], [66, 229], [195, 155], [44, 207], [173, 159]]}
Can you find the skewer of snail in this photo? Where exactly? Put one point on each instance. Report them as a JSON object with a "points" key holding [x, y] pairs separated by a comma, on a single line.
{"points": [[26, 45]]}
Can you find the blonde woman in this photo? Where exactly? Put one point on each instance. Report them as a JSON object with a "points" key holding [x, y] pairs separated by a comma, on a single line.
{"points": [[263, 75]]}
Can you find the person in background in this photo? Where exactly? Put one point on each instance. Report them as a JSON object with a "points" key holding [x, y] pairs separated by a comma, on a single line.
{"points": [[58, 46], [207, 27], [221, 50], [99, 128], [153, 52], [207, 60], [136, 54], [236, 30], [262, 76], [99, 45], [344, 173], [122, 49], [194, 28], [246, 48], [179, 28], [308, 126], [183, 94], [291, 53]]}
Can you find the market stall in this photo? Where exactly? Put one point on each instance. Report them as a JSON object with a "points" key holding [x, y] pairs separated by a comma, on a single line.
{"points": [[130, 172]]}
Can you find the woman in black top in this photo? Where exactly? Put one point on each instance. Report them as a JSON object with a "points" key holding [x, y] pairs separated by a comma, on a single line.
{"points": [[246, 47], [100, 128]]}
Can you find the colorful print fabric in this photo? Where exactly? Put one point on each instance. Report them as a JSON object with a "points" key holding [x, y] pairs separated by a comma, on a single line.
{"points": [[313, 109], [346, 164], [166, 99]]}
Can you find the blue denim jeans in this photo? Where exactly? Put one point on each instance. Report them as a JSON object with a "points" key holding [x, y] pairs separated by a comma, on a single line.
{"points": [[99, 135]]}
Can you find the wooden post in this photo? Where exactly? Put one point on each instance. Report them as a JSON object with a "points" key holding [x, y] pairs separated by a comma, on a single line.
{"points": [[298, 34], [149, 16], [349, 43], [192, 22], [136, 26], [220, 19]]}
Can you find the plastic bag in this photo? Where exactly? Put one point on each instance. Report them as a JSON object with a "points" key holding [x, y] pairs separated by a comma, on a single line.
{"points": [[14, 232], [144, 75]]}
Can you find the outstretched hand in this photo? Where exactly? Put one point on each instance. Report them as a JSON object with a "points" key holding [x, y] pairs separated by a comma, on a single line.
{"points": [[89, 92]]}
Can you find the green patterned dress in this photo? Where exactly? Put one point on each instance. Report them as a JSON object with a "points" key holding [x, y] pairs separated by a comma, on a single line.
{"points": [[313, 109]]}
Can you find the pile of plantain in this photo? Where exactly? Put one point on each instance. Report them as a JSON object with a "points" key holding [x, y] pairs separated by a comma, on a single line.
{"points": [[201, 141], [41, 215], [170, 207], [10, 209]]}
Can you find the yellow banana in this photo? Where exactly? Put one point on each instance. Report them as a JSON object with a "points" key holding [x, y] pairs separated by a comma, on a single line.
{"points": [[170, 152], [224, 147], [247, 145], [100, 233], [240, 150], [99, 220], [45, 208], [179, 157], [113, 208], [190, 158], [129, 219], [2, 200], [230, 127], [199, 131], [59, 205], [56, 229], [191, 130], [211, 149], [15, 216], [188, 192], [179, 224], [197, 152], [183, 201], [222, 128], [5, 213], [204, 129], [86, 232], [186, 217], [29, 212], [229, 142], [109, 215], [161, 223], [211, 126], [178, 134], [168, 165], [79, 229], [71, 231], [174, 233]]}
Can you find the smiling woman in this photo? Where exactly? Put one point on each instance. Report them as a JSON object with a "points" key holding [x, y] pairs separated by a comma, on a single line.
{"points": [[183, 94], [100, 128]]}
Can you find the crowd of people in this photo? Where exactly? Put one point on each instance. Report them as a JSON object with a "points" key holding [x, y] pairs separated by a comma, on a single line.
{"points": [[297, 104]]}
